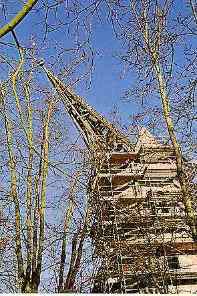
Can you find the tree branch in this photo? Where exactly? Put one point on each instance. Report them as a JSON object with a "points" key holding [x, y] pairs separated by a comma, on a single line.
{"points": [[18, 18]]}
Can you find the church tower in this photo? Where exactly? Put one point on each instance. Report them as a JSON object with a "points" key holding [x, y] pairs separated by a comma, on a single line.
{"points": [[139, 230]]}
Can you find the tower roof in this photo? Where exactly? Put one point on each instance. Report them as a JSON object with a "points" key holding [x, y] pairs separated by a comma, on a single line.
{"points": [[146, 139]]}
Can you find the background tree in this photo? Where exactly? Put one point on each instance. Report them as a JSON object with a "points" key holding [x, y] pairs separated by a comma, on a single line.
{"points": [[156, 37]]}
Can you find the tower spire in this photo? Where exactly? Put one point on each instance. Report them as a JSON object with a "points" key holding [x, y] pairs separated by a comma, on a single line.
{"points": [[98, 133]]}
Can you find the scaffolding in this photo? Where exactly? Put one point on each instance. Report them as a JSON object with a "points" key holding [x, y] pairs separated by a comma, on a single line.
{"points": [[140, 230]]}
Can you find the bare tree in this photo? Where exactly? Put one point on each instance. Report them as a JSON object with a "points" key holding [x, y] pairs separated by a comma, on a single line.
{"points": [[30, 136], [152, 37], [32, 133]]}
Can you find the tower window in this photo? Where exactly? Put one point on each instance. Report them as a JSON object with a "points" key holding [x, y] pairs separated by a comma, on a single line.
{"points": [[173, 262]]}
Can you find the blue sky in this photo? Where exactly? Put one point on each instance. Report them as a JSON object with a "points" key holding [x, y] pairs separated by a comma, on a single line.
{"points": [[107, 86]]}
